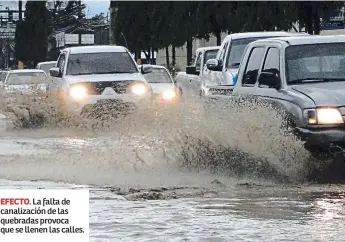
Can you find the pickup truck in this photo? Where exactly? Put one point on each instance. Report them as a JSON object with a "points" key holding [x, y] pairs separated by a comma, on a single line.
{"points": [[190, 80], [223, 69], [304, 77]]}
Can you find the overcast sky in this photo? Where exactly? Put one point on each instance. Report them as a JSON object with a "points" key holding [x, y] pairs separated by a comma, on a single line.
{"points": [[93, 7]]}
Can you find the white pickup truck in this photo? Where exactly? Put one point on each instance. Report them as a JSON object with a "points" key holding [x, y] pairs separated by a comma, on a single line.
{"points": [[222, 74], [190, 81]]}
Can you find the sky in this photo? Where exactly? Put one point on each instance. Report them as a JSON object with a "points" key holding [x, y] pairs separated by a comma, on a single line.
{"points": [[96, 7]]}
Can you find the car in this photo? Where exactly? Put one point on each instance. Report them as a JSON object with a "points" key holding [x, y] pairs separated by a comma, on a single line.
{"points": [[25, 81], [87, 77], [223, 69], [304, 77], [162, 84], [45, 66]]}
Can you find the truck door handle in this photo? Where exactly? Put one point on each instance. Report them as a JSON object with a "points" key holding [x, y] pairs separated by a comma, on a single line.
{"points": [[190, 80]]}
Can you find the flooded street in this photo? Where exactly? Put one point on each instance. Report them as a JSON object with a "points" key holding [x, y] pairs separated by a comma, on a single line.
{"points": [[155, 201]]}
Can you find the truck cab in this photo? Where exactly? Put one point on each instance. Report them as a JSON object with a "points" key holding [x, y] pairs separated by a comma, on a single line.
{"points": [[190, 81], [303, 78], [224, 68]]}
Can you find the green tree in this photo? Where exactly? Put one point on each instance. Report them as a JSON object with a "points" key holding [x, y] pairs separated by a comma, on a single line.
{"points": [[32, 33]]}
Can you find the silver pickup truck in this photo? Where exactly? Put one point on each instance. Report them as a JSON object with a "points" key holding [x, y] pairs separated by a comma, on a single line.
{"points": [[190, 81]]}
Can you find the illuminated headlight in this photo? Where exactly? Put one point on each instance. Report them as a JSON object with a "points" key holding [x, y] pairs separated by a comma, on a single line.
{"points": [[169, 94], [324, 116], [78, 92], [139, 89]]}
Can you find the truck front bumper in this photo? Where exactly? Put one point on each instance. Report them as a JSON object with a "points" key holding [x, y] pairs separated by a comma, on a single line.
{"points": [[328, 140]]}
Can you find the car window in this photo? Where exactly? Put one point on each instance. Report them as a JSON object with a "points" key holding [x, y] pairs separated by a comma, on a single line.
{"points": [[61, 63], [272, 61], [253, 65], [26, 78], [158, 75], [222, 53], [210, 54], [46, 67], [198, 62]]}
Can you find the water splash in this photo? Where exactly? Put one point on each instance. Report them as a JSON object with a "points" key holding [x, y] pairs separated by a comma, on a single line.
{"points": [[196, 136]]}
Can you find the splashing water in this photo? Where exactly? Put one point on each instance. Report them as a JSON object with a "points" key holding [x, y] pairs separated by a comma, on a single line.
{"points": [[196, 135]]}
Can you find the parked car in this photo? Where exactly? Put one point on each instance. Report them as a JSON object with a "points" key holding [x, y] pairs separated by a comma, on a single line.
{"points": [[191, 79], [162, 83], [45, 66], [223, 69], [25, 81], [91, 76], [305, 78]]}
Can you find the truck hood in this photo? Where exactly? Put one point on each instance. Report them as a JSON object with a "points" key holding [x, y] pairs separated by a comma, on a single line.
{"points": [[105, 77], [160, 87], [323, 94]]}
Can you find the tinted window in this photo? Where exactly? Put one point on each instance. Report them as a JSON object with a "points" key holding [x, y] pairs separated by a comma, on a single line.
{"points": [[272, 61], [315, 62], [158, 75], [100, 63], [25, 78], [253, 66]]}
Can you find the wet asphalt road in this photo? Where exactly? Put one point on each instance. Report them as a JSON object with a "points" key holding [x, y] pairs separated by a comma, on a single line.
{"points": [[130, 203]]}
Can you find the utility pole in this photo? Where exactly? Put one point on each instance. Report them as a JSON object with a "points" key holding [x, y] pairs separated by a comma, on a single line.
{"points": [[20, 8]]}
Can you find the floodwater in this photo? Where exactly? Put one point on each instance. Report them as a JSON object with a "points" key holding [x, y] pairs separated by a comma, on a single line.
{"points": [[143, 189]]}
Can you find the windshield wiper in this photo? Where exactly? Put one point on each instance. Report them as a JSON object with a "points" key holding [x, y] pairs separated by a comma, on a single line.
{"points": [[303, 80]]}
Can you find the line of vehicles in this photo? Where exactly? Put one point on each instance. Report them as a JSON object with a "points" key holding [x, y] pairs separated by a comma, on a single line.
{"points": [[300, 75]]}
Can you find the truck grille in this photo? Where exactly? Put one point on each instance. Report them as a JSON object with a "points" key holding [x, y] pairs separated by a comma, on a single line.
{"points": [[97, 88]]}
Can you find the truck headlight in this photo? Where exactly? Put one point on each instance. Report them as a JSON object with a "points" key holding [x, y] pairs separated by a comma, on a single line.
{"points": [[169, 94], [139, 89], [78, 92], [324, 116]]}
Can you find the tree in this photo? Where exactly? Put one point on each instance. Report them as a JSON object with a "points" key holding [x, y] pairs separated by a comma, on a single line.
{"points": [[32, 33]]}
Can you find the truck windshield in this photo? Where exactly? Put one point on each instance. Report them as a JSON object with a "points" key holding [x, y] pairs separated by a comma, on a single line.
{"points": [[100, 63], [210, 54], [315, 62]]}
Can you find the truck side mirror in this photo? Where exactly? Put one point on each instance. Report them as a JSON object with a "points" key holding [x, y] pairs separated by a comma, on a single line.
{"points": [[213, 65], [55, 72], [192, 70], [270, 79]]}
